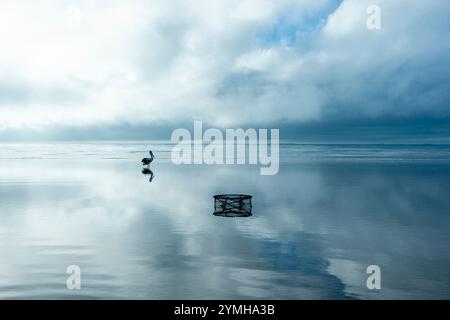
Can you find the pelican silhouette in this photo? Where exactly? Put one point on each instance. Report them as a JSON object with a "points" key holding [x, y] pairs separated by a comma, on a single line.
{"points": [[147, 161], [148, 171]]}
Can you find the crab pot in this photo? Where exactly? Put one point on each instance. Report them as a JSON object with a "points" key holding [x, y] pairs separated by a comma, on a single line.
{"points": [[233, 205]]}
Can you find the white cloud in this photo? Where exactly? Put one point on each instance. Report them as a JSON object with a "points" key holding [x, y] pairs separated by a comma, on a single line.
{"points": [[226, 62], [349, 18]]}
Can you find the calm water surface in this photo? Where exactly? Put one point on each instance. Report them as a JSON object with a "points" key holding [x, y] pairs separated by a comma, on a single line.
{"points": [[329, 213]]}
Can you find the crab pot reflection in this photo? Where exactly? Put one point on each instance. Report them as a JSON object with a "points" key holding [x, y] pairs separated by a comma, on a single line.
{"points": [[233, 205]]}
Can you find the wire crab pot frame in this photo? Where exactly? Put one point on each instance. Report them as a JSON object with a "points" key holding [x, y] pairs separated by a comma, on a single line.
{"points": [[233, 205]]}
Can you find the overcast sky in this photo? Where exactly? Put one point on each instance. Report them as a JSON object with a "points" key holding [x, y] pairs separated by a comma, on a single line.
{"points": [[89, 64]]}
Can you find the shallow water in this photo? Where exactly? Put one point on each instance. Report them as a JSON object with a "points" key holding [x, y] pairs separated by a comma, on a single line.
{"points": [[330, 212]]}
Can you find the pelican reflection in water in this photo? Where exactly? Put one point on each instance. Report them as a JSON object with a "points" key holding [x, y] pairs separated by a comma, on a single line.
{"points": [[147, 171]]}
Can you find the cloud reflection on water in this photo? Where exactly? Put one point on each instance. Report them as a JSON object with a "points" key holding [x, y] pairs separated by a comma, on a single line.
{"points": [[314, 230]]}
